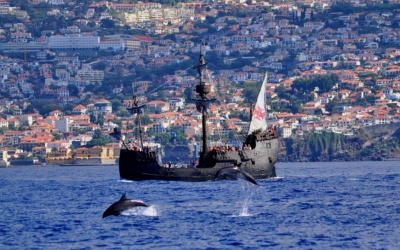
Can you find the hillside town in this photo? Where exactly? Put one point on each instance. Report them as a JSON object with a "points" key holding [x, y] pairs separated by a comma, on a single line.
{"points": [[68, 70]]}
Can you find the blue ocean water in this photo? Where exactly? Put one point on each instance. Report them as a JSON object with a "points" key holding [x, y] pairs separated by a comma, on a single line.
{"points": [[341, 205]]}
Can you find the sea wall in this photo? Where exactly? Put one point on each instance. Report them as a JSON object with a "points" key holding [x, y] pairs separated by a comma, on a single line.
{"points": [[21, 162]]}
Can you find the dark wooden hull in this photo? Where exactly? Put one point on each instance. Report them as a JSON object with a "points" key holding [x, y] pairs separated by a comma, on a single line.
{"points": [[258, 162]]}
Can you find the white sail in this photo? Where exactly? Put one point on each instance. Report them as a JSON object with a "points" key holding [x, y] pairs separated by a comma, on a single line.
{"points": [[258, 120]]}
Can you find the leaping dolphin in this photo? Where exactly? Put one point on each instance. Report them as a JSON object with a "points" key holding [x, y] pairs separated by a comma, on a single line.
{"points": [[123, 204], [234, 173]]}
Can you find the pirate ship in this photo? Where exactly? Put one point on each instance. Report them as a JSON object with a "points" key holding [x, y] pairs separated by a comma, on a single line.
{"points": [[257, 155]]}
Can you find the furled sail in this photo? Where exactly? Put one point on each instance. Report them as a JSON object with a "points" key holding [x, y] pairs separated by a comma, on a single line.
{"points": [[258, 120]]}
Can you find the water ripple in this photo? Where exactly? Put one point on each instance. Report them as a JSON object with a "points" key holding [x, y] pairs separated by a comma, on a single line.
{"points": [[312, 206]]}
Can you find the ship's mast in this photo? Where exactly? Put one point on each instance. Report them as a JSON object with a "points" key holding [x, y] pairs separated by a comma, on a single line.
{"points": [[251, 111], [137, 109], [202, 89]]}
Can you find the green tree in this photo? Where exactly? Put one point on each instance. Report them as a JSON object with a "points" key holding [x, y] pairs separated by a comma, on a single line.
{"points": [[179, 137], [100, 120], [98, 139], [162, 138], [331, 105], [99, 66], [251, 91], [57, 136], [73, 90], [296, 108], [116, 104], [325, 83], [91, 24], [145, 119], [107, 23], [67, 109], [3, 129], [280, 91], [11, 126], [117, 121], [92, 118], [46, 108]]}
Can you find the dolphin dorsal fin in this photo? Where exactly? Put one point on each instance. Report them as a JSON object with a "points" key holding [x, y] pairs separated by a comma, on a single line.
{"points": [[123, 197]]}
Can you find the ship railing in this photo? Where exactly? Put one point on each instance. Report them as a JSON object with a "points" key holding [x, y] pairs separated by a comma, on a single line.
{"points": [[221, 155], [267, 135]]}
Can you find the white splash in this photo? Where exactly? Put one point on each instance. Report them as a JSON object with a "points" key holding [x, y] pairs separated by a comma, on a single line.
{"points": [[248, 192], [245, 208], [123, 180], [150, 211], [145, 211]]}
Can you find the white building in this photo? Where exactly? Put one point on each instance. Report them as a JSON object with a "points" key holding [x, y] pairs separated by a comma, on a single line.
{"points": [[74, 41], [87, 73], [286, 132], [62, 125], [115, 45], [58, 144]]}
